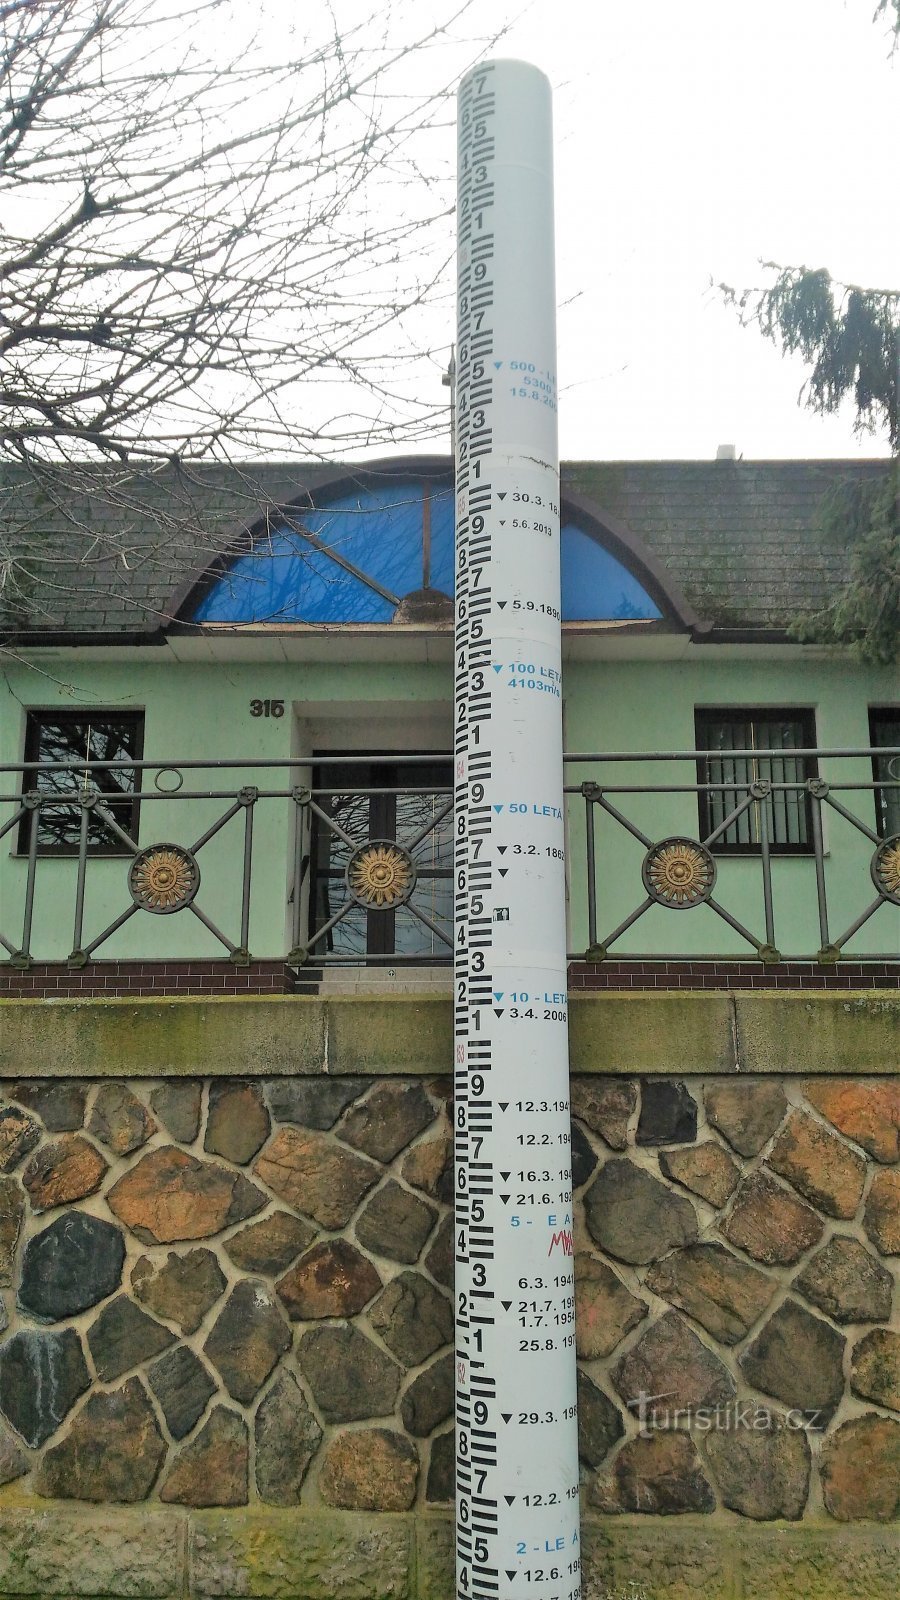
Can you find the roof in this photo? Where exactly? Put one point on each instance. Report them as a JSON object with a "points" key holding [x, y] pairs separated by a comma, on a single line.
{"points": [[111, 556]]}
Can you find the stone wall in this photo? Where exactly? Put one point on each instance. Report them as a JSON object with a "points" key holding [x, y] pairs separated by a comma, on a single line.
{"points": [[235, 1293]]}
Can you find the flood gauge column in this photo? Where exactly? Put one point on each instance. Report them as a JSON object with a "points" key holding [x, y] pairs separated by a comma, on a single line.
{"points": [[517, 1446]]}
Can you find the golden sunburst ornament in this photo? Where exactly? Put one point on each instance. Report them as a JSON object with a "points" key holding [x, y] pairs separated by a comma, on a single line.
{"points": [[886, 869], [679, 873], [163, 878], [381, 875]]}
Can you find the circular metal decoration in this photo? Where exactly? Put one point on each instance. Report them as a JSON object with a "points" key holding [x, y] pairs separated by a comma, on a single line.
{"points": [[885, 869], [381, 875], [163, 878], [679, 873], [168, 780]]}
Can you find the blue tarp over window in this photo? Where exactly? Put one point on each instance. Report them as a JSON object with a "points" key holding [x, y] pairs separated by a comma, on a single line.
{"points": [[367, 553]]}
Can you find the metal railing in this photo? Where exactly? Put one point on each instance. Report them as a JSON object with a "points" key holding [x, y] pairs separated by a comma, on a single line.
{"points": [[771, 806], [648, 834]]}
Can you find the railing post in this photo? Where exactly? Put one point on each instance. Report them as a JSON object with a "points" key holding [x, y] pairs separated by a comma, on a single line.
{"points": [[32, 803], [760, 791], [247, 797], [828, 953]]}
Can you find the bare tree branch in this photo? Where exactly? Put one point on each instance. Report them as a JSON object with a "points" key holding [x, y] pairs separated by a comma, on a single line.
{"points": [[212, 225]]}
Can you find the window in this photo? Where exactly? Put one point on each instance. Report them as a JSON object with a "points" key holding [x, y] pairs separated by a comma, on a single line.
{"points": [[411, 818], [81, 737], [788, 820], [884, 733]]}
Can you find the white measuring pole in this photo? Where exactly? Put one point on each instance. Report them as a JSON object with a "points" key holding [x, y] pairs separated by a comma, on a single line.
{"points": [[517, 1444]]}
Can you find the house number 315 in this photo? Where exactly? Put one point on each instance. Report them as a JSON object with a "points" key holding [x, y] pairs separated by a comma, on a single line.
{"points": [[267, 708]]}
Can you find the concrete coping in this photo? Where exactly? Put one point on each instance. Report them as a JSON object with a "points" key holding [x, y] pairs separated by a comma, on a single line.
{"points": [[139, 1553], [612, 1033]]}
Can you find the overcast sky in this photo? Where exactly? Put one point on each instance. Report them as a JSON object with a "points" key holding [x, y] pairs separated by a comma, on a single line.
{"points": [[693, 139]]}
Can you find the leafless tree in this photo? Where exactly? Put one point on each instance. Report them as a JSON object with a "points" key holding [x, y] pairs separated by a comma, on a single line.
{"points": [[217, 236]]}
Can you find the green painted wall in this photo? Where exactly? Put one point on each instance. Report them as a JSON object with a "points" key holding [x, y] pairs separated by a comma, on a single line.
{"points": [[202, 711]]}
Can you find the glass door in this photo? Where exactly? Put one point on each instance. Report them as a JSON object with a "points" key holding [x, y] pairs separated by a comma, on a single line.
{"points": [[391, 818]]}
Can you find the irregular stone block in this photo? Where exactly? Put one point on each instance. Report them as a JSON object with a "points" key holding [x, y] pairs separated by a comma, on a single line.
{"points": [[332, 1280], [845, 1280], [60, 1105], [707, 1170], [746, 1113], [388, 1119], [429, 1166], [287, 1438], [350, 1377], [661, 1475], [67, 1170], [867, 1110], [429, 1399], [860, 1470], [183, 1289], [761, 1469], [41, 1377], [881, 1218], [237, 1123], [269, 1555], [605, 1107], [769, 1223], [669, 1369], [668, 1113], [875, 1368], [113, 1552], [634, 1217], [13, 1462], [413, 1318], [722, 1293], [113, 1450], [584, 1157], [271, 1245], [599, 1422], [604, 1309], [12, 1211], [214, 1469], [123, 1337], [312, 1102], [798, 1358], [76, 1261], [177, 1105], [313, 1173], [374, 1469], [120, 1120], [248, 1339], [440, 1485], [395, 1223], [440, 1258], [183, 1388], [171, 1195], [819, 1165], [19, 1133]]}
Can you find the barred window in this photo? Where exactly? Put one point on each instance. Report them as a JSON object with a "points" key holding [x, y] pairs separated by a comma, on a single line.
{"points": [[884, 733], [81, 737], [723, 730]]}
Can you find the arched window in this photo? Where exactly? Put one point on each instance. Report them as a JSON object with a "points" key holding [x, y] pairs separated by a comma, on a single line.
{"points": [[384, 554]]}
